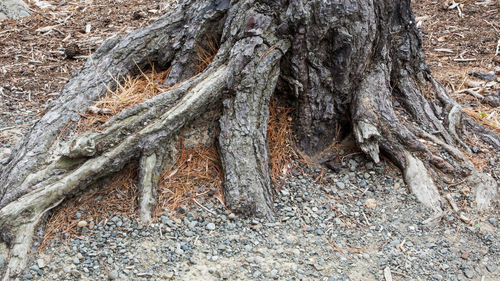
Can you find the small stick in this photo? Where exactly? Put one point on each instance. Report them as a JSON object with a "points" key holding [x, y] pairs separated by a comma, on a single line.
{"points": [[387, 274], [465, 60], [452, 202], [457, 183], [473, 93], [366, 219], [459, 11], [203, 207], [465, 90], [8, 128], [444, 50], [494, 27]]}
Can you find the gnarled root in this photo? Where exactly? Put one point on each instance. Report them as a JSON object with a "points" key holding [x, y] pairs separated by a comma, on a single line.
{"points": [[376, 124]]}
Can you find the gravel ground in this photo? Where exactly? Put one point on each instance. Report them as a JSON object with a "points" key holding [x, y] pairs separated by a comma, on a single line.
{"points": [[351, 226]]}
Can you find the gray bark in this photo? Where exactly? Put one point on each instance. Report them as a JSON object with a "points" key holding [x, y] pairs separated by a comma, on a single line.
{"points": [[341, 65], [13, 9]]}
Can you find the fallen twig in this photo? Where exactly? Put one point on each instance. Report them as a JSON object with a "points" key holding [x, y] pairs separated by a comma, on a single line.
{"points": [[464, 60], [203, 207], [387, 274], [452, 202]]}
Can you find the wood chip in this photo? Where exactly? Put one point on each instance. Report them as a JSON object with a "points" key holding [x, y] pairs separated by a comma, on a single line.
{"points": [[387, 274], [452, 202], [444, 50], [464, 60]]}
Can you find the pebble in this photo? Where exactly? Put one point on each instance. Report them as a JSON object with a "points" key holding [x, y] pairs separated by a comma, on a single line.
{"points": [[113, 275], [211, 226], [40, 262], [82, 224], [469, 273], [491, 268], [370, 203]]}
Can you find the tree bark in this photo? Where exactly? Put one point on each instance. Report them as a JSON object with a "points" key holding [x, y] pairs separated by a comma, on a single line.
{"points": [[13, 9], [342, 65]]}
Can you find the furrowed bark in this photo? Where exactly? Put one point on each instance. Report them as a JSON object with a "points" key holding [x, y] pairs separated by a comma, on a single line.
{"points": [[243, 125], [242, 141]]}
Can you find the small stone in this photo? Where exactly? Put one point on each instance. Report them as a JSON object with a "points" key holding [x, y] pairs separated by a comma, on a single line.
{"points": [[75, 260], [40, 262], [394, 243], [370, 203], [78, 215], [469, 273], [273, 273], [67, 269], [491, 268], [231, 216], [113, 275], [72, 50], [82, 224], [340, 185], [76, 274], [211, 226], [28, 276]]}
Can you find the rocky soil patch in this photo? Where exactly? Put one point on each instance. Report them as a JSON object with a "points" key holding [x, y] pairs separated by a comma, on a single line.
{"points": [[349, 225]]}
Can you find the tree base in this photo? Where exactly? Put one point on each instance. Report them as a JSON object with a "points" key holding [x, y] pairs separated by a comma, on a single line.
{"points": [[342, 68]]}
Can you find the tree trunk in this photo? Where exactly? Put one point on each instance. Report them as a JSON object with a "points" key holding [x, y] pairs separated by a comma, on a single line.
{"points": [[343, 65]]}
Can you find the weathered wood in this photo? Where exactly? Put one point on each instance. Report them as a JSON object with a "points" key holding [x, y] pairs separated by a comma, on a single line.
{"points": [[13, 9], [165, 43]]}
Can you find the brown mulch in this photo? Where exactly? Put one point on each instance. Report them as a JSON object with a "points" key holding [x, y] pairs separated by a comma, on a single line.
{"points": [[458, 43], [38, 53]]}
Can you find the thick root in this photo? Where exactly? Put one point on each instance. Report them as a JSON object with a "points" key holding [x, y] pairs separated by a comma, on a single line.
{"points": [[148, 184], [18, 218], [421, 183], [165, 42]]}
